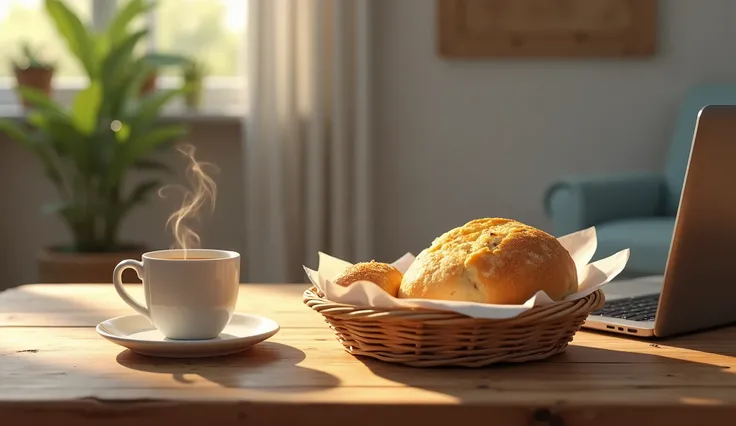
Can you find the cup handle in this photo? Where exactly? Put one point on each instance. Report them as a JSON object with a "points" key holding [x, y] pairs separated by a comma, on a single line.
{"points": [[117, 280]]}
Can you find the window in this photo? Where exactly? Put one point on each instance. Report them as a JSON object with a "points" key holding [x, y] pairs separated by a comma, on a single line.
{"points": [[211, 31]]}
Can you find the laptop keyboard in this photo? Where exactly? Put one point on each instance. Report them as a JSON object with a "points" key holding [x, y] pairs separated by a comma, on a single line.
{"points": [[641, 308]]}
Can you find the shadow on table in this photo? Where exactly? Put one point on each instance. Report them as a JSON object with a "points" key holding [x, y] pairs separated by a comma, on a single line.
{"points": [[717, 341], [267, 366], [579, 370]]}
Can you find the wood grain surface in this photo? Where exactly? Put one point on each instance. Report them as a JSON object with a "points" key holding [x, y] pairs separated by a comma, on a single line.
{"points": [[55, 368]]}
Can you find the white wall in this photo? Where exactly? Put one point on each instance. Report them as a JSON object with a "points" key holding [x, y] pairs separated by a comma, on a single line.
{"points": [[456, 140]]}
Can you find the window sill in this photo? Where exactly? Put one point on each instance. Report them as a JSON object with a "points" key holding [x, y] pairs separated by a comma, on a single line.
{"points": [[222, 99], [177, 113]]}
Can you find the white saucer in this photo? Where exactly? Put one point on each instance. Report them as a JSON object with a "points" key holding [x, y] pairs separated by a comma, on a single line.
{"points": [[136, 333]]}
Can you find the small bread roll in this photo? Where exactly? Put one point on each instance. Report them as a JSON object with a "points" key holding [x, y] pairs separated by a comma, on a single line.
{"points": [[491, 260], [386, 276]]}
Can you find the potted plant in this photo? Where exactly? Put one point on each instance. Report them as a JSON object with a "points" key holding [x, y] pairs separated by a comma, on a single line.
{"points": [[88, 148], [193, 73], [32, 71]]}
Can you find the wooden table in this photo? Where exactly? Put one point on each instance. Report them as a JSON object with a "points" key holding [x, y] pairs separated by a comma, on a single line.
{"points": [[55, 369]]}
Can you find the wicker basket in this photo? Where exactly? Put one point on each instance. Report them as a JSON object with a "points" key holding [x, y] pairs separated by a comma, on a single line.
{"points": [[429, 338]]}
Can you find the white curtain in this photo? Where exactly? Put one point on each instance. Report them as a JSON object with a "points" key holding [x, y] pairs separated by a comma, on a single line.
{"points": [[306, 145]]}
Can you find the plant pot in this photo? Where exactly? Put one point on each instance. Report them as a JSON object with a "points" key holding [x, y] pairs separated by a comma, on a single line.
{"points": [[56, 266], [149, 85], [193, 98], [37, 78]]}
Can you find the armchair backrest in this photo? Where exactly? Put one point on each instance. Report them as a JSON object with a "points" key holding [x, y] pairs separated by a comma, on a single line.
{"points": [[679, 152]]}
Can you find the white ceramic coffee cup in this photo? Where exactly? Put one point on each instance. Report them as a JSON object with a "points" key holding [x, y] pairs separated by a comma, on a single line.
{"points": [[188, 298]]}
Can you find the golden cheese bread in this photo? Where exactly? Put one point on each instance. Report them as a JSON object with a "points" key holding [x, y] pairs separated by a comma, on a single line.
{"points": [[384, 275], [491, 260]]}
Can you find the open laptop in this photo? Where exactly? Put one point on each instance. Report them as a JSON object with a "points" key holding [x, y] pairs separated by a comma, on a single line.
{"points": [[698, 289]]}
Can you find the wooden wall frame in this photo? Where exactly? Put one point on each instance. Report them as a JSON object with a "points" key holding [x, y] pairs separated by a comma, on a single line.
{"points": [[546, 28]]}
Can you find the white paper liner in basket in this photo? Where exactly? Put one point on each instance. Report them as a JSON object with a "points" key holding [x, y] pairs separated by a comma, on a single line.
{"points": [[581, 245]]}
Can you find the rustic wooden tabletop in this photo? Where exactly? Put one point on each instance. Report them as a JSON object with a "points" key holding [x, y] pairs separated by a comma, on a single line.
{"points": [[54, 368]]}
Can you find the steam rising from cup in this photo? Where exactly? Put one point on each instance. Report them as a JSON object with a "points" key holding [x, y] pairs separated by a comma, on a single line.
{"points": [[202, 190]]}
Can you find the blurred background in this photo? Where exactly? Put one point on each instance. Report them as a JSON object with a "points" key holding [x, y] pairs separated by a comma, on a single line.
{"points": [[346, 126]]}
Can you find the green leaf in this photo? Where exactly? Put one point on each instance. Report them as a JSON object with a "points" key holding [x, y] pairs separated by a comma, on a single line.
{"points": [[37, 119], [86, 107], [44, 149], [138, 148], [102, 147], [16, 133], [117, 77], [39, 99], [42, 120], [57, 136], [158, 60], [119, 57], [36, 145], [122, 134], [66, 140], [147, 143], [119, 24], [149, 108], [101, 45], [121, 95], [74, 33]]}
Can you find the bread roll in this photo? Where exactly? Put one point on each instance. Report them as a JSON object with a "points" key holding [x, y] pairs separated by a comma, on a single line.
{"points": [[386, 276], [491, 260]]}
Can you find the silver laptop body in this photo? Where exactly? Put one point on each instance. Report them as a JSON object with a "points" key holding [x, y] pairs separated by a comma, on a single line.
{"points": [[698, 289]]}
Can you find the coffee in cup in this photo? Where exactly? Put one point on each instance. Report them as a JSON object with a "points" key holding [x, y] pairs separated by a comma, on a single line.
{"points": [[190, 295]]}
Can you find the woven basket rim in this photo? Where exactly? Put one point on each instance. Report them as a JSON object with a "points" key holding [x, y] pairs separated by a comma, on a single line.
{"points": [[312, 294]]}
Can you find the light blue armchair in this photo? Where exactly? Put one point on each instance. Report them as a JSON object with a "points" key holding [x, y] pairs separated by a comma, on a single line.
{"points": [[634, 210]]}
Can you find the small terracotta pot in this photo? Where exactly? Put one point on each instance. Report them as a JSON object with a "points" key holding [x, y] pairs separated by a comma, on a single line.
{"points": [[55, 266], [149, 85], [37, 78]]}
